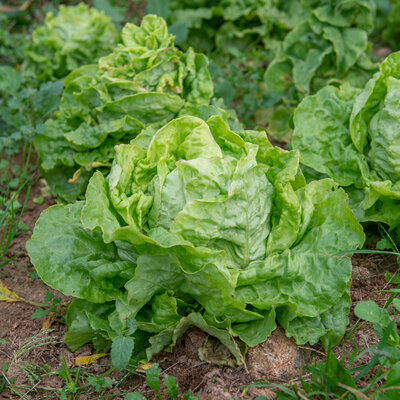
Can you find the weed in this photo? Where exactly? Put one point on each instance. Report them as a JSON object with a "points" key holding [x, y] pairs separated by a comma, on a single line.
{"points": [[170, 390], [10, 220]]}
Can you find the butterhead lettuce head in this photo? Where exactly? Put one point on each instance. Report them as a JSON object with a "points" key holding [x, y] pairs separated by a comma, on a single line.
{"points": [[74, 37], [200, 226], [144, 83], [352, 135]]}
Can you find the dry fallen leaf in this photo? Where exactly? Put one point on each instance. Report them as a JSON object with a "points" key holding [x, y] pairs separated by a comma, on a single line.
{"points": [[48, 321], [144, 367], [8, 295], [86, 360]]}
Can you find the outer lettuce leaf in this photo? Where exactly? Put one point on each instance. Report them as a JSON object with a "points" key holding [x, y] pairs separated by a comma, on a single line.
{"points": [[75, 36], [143, 83], [329, 327], [351, 136], [80, 264], [200, 226]]}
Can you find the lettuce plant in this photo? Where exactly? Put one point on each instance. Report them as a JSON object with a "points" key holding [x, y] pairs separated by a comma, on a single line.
{"points": [[200, 226], [329, 45], [352, 136], [303, 45], [141, 85], [76, 36], [231, 25]]}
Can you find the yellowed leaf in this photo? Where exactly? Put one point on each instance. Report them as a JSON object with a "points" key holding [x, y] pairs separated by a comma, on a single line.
{"points": [[8, 295], [75, 177], [86, 360], [144, 367], [48, 321], [95, 164]]}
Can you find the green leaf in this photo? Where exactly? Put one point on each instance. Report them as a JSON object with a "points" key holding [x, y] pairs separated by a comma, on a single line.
{"points": [[392, 381], [153, 377], [49, 296], [180, 30], [134, 396], [322, 134], [258, 331], [79, 318], [371, 312], [79, 264], [10, 80], [158, 7], [396, 303], [114, 12], [39, 313], [329, 327], [337, 373], [172, 388], [121, 351]]}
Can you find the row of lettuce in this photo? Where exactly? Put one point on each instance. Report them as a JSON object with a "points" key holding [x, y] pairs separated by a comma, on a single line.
{"points": [[298, 46], [175, 216], [266, 54]]}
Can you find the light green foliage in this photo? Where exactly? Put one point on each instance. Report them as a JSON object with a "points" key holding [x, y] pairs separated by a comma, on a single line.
{"points": [[351, 135], [200, 226], [142, 84], [75, 36]]}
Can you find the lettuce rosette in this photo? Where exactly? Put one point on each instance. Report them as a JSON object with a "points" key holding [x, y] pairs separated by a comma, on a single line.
{"points": [[76, 36], [329, 45], [352, 136], [200, 226], [144, 83]]}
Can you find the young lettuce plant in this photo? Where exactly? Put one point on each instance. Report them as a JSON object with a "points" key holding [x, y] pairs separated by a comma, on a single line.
{"points": [[352, 136], [76, 36], [144, 83], [200, 226]]}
